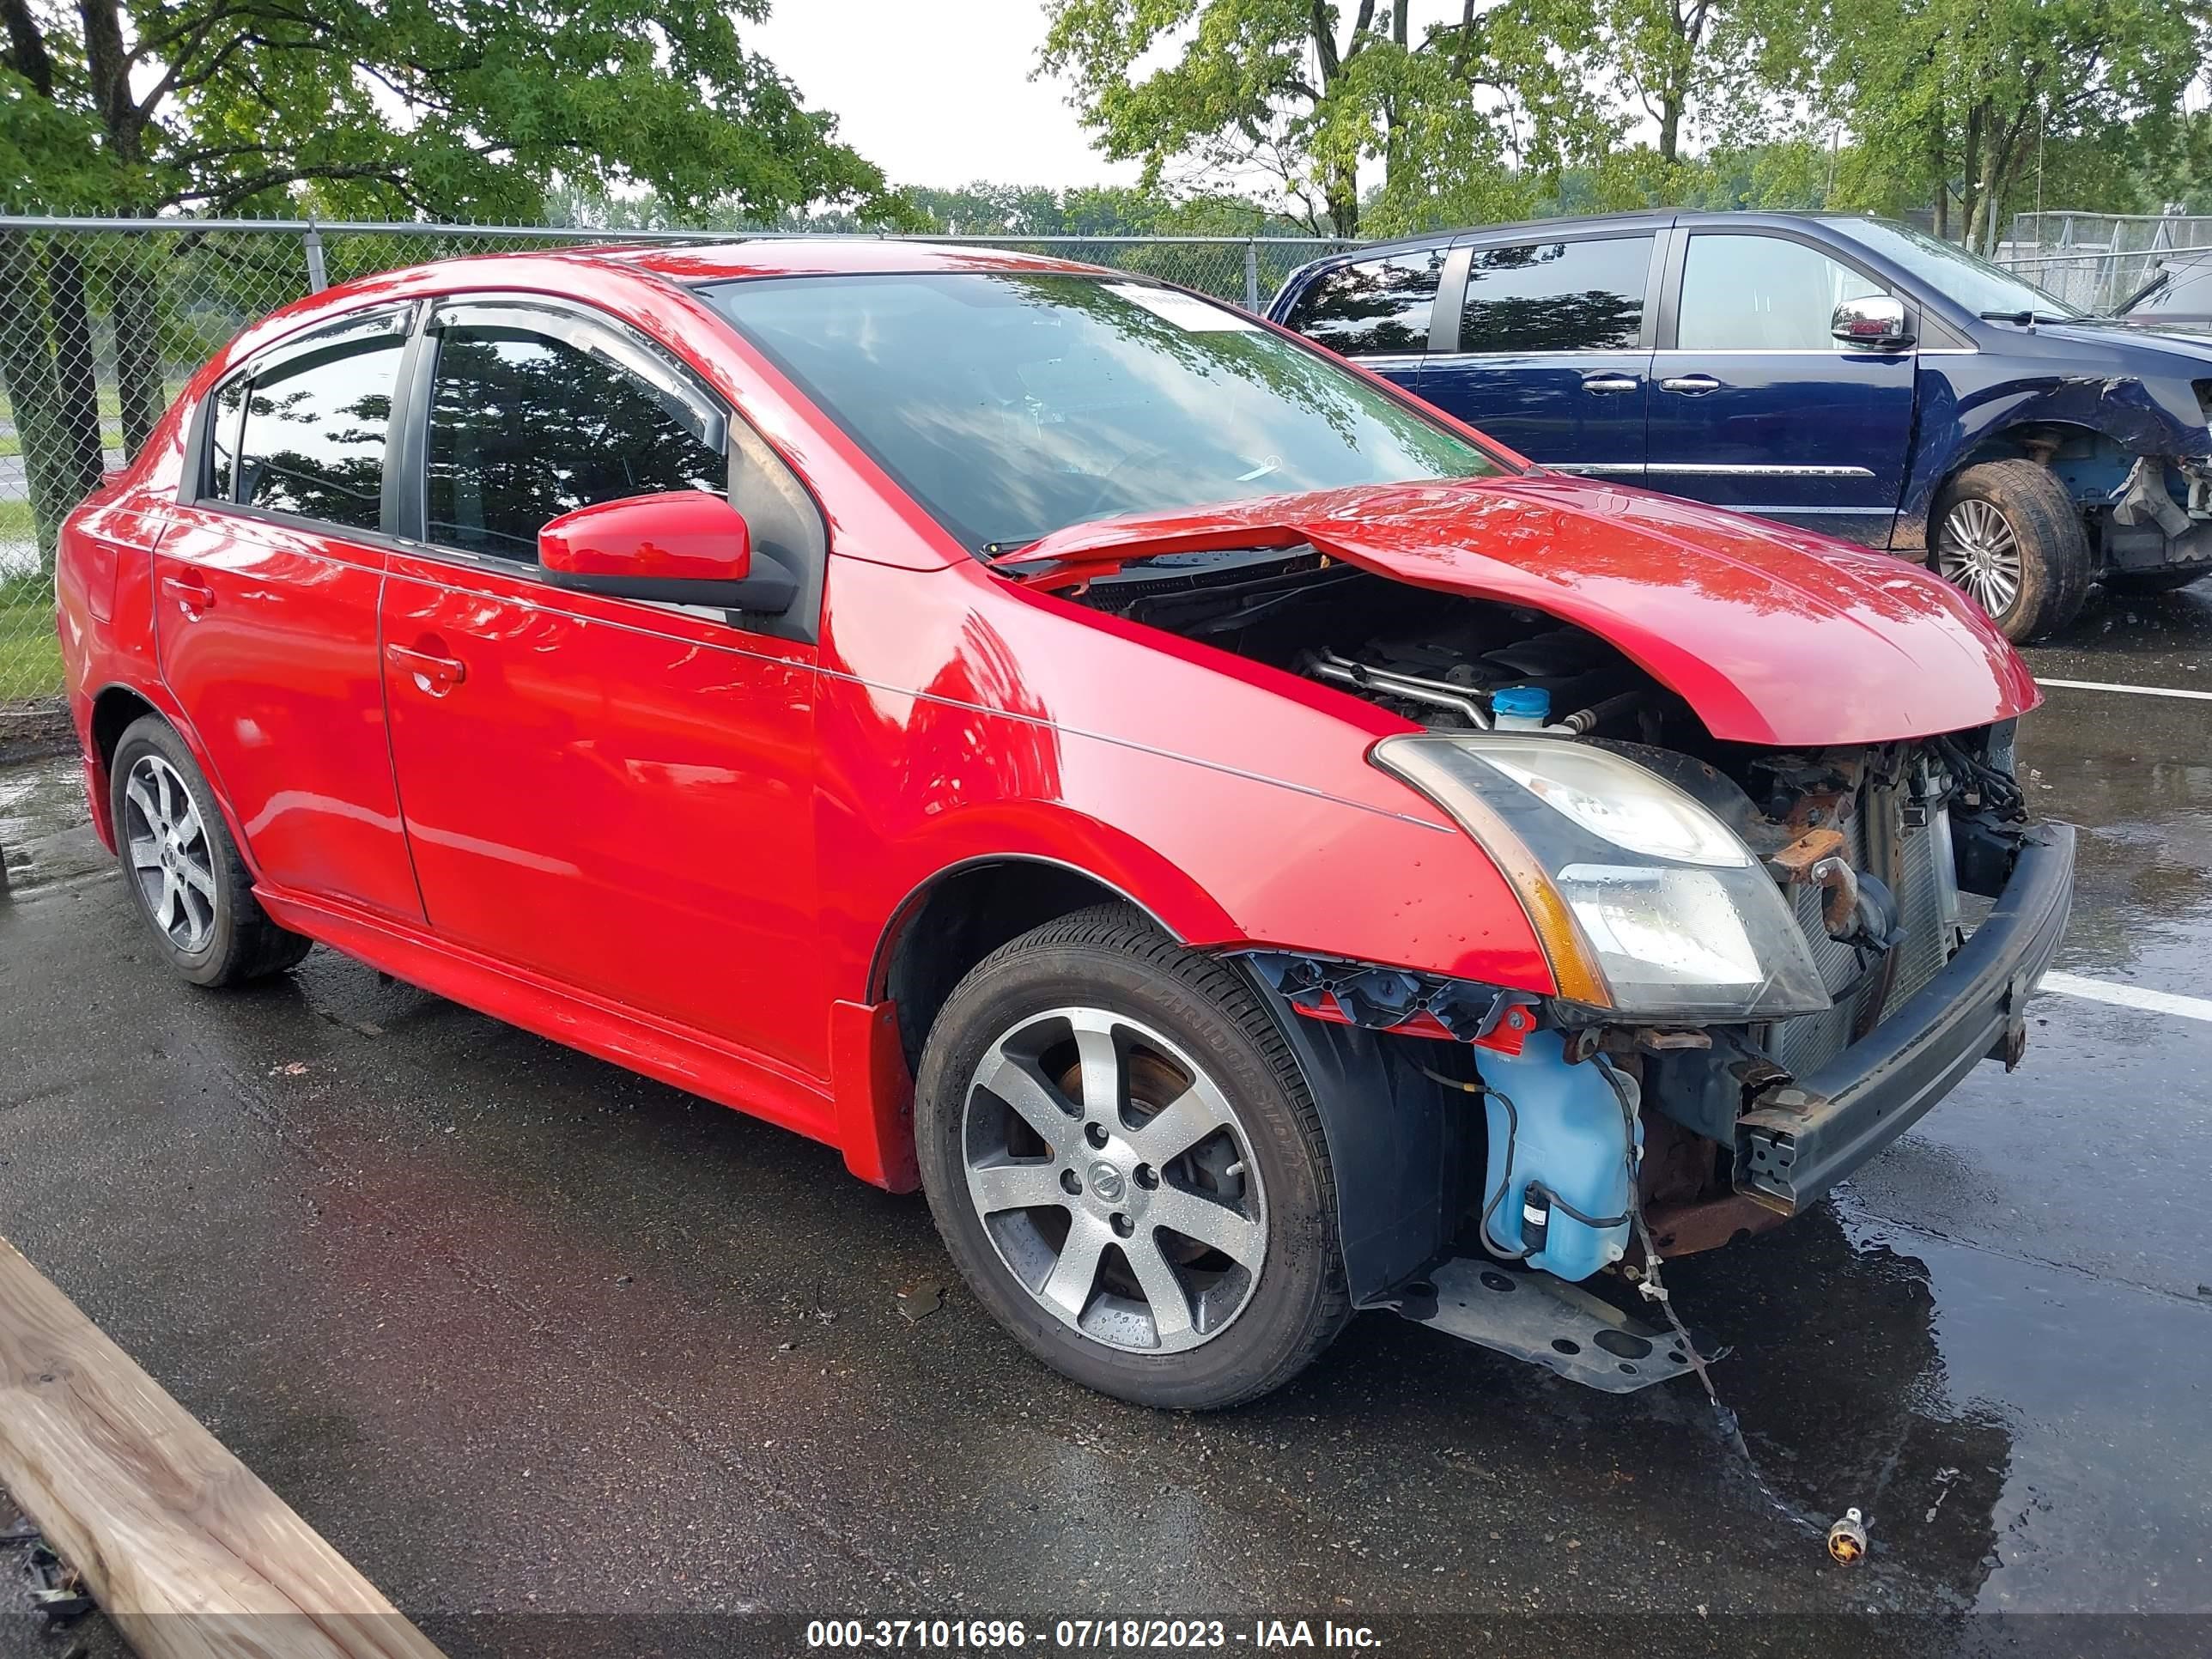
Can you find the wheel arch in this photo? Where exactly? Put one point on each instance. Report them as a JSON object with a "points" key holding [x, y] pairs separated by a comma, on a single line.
{"points": [[960, 914], [115, 708]]}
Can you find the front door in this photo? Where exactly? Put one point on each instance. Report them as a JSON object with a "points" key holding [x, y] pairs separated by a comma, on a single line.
{"points": [[615, 794], [1757, 407], [1553, 354], [266, 589]]}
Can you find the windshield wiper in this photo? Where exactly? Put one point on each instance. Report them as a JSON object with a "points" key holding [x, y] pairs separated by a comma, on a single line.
{"points": [[2025, 319], [2144, 293]]}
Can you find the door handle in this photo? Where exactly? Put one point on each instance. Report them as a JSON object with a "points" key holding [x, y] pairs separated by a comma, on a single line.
{"points": [[434, 674], [191, 595], [1694, 385], [1610, 383]]}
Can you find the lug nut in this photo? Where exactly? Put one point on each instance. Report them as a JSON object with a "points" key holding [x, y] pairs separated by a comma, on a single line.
{"points": [[1123, 1226], [1070, 1182], [1095, 1133], [1147, 1176]]}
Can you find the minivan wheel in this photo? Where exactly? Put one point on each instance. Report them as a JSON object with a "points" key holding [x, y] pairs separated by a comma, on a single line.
{"points": [[182, 866], [1127, 1168], [2009, 536]]}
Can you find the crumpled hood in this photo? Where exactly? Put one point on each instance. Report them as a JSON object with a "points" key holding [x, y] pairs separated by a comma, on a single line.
{"points": [[1773, 635]]}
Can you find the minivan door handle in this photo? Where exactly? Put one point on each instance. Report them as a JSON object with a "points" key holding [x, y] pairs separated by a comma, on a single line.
{"points": [[1610, 383], [433, 674], [1694, 385]]}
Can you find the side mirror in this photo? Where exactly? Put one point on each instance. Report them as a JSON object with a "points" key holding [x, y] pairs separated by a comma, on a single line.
{"points": [[682, 547], [1874, 323]]}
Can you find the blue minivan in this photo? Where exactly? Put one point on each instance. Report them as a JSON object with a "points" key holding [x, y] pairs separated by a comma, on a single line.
{"points": [[1847, 374]]}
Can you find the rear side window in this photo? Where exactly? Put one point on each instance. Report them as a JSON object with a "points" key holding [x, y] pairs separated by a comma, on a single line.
{"points": [[525, 427], [1762, 294], [316, 426], [1374, 307], [1556, 296]]}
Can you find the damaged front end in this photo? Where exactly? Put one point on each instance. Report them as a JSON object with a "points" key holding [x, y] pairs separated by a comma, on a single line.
{"points": [[1610, 1138], [1767, 965]]}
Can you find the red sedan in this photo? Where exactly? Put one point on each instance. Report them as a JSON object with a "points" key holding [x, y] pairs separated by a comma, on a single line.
{"points": [[1245, 847]]}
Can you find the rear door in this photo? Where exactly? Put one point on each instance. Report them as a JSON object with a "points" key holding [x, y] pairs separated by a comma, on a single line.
{"points": [[1548, 347], [614, 793], [266, 591], [1757, 407], [1378, 311]]}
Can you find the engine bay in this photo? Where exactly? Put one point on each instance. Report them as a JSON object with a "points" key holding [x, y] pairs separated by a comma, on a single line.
{"points": [[1435, 659]]}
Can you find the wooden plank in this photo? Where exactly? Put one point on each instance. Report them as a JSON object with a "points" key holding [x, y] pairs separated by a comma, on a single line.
{"points": [[184, 1547]]}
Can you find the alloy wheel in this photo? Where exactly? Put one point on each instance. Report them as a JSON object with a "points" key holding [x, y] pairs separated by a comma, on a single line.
{"points": [[1115, 1179], [170, 858], [1979, 553]]}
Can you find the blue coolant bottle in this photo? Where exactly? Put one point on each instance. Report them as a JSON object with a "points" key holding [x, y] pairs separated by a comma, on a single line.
{"points": [[1559, 1163]]}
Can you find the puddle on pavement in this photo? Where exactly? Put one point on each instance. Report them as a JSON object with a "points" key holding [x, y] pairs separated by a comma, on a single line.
{"points": [[2011, 1429], [45, 827]]}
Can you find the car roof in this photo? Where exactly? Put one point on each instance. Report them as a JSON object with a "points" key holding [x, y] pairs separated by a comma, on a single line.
{"points": [[813, 256], [1630, 219]]}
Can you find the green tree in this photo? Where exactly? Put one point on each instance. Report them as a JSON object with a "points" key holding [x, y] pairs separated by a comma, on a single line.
{"points": [[1304, 92], [1951, 100], [425, 107]]}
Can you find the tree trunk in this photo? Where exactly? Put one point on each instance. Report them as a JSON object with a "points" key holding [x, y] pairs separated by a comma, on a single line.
{"points": [[137, 319], [1341, 195], [1670, 126], [76, 374]]}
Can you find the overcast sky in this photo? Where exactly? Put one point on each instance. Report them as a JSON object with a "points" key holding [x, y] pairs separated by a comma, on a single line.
{"points": [[934, 93]]}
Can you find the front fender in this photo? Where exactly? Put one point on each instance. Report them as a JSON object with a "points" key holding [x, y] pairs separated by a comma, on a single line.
{"points": [[1962, 409]]}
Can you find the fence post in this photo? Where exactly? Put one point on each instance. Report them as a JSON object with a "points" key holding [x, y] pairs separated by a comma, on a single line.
{"points": [[313, 242], [1251, 274]]}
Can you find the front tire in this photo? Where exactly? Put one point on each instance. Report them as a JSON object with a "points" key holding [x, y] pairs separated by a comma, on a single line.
{"points": [[2006, 534], [1127, 1168], [182, 868]]}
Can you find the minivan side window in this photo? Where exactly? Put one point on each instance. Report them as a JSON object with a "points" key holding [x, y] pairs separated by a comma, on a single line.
{"points": [[524, 427], [1556, 296], [1762, 294], [316, 426], [1375, 307]]}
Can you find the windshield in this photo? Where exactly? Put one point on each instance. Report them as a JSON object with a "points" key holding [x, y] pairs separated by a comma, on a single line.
{"points": [[1011, 404], [1974, 283]]}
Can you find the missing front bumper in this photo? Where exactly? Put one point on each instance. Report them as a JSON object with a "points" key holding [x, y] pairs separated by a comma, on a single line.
{"points": [[1802, 1137]]}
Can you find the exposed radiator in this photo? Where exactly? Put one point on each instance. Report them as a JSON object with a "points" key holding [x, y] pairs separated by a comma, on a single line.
{"points": [[1923, 879]]}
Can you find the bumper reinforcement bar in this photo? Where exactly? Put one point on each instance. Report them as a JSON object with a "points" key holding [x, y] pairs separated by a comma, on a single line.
{"points": [[1802, 1137]]}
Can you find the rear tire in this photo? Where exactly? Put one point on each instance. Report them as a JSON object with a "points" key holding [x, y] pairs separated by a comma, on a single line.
{"points": [[2006, 535], [1127, 1168], [183, 869], [2148, 582]]}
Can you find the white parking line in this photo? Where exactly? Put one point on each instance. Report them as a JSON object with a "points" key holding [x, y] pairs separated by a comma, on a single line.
{"points": [[2129, 996], [2137, 690]]}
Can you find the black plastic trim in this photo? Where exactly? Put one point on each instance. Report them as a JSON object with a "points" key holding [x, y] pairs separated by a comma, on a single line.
{"points": [[1800, 1138]]}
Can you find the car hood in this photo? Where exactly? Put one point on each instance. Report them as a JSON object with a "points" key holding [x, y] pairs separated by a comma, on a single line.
{"points": [[1774, 636], [2138, 338]]}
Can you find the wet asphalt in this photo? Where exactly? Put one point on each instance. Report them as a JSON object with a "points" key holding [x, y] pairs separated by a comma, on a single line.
{"points": [[526, 1335]]}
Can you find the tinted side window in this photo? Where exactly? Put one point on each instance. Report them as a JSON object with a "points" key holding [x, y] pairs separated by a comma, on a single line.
{"points": [[524, 427], [1376, 306], [1556, 296], [1762, 294], [316, 426]]}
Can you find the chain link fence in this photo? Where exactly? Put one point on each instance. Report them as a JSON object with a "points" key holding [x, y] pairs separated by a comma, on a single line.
{"points": [[102, 322], [2097, 260]]}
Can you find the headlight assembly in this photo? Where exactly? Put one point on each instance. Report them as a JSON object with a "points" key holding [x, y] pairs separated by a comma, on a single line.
{"points": [[1645, 903]]}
